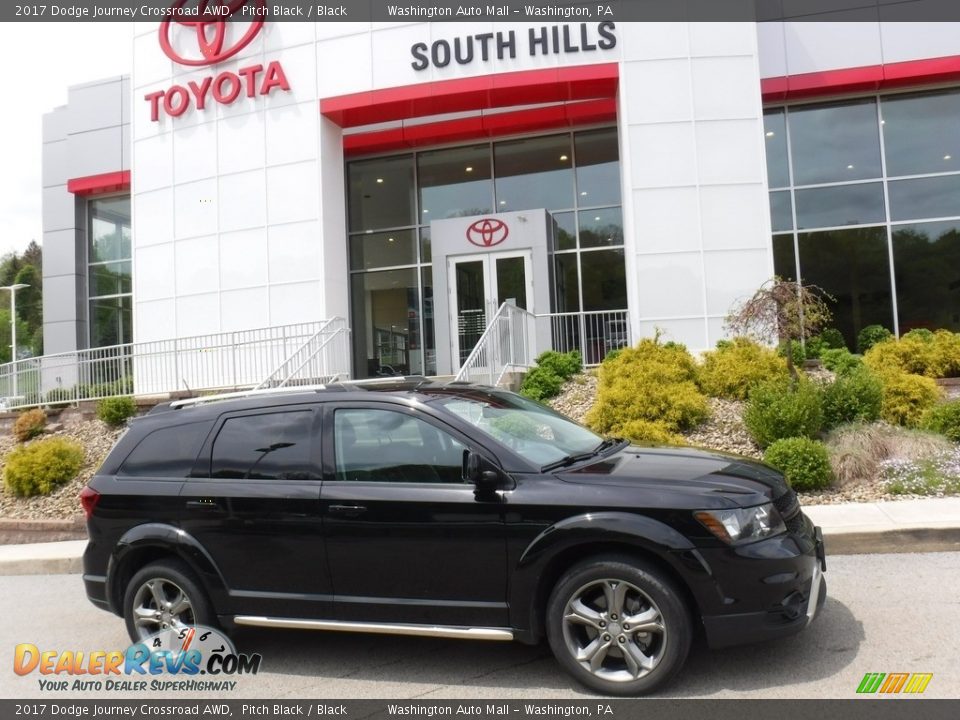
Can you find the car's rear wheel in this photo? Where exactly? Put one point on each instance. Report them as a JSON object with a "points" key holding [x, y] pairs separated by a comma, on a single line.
{"points": [[164, 595], [618, 626]]}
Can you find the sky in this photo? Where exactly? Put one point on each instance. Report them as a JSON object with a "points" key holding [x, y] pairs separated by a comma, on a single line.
{"points": [[41, 61]]}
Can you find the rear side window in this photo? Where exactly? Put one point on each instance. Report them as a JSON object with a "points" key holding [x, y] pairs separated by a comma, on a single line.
{"points": [[273, 446], [167, 452]]}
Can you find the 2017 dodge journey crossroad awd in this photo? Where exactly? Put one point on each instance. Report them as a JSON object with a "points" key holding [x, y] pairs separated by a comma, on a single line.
{"points": [[406, 506]]}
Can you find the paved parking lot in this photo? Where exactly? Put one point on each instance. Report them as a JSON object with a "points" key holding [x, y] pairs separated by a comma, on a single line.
{"points": [[885, 613]]}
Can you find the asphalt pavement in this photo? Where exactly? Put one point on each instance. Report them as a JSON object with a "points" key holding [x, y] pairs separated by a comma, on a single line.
{"points": [[884, 613]]}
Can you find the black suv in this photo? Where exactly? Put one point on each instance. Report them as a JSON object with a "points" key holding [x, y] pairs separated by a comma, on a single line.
{"points": [[404, 506]]}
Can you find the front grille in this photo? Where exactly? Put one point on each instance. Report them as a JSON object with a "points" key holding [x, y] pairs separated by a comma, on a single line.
{"points": [[789, 508]]}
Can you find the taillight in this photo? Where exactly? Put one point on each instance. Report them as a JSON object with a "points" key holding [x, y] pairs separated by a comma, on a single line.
{"points": [[89, 499]]}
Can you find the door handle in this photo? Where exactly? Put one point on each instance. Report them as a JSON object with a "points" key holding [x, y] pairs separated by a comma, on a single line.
{"points": [[348, 510], [208, 505]]}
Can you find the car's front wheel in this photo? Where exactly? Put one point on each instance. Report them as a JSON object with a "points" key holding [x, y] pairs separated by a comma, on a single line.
{"points": [[164, 595], [618, 626]]}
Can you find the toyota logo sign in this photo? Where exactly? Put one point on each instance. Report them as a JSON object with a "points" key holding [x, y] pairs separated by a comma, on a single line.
{"points": [[211, 34], [487, 232]]}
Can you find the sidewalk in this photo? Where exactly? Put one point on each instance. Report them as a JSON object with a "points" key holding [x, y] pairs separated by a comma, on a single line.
{"points": [[848, 529]]}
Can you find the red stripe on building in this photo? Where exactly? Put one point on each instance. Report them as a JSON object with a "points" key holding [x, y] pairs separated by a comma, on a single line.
{"points": [[97, 184], [870, 78]]}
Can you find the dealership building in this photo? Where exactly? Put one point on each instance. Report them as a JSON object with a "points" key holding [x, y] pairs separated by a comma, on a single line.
{"points": [[610, 178]]}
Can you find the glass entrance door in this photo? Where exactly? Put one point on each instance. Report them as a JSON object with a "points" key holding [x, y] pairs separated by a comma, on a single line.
{"points": [[479, 285]]}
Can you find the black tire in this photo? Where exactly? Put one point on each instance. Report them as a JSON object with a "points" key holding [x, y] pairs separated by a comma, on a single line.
{"points": [[167, 576], [633, 663]]}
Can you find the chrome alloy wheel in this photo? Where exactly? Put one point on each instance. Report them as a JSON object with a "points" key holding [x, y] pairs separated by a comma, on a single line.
{"points": [[161, 604], [614, 630]]}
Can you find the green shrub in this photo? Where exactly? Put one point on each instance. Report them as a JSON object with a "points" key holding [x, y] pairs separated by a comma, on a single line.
{"points": [[870, 336], [814, 347], [563, 364], [833, 338], [59, 396], [840, 360], [541, 383], [42, 466], [803, 462], [115, 410], [780, 409], [944, 419], [646, 432], [649, 382], [733, 369], [29, 424], [906, 397], [919, 334], [795, 348], [853, 397]]}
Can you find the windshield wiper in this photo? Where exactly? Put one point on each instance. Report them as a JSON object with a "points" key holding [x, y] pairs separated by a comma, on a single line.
{"points": [[569, 460]]}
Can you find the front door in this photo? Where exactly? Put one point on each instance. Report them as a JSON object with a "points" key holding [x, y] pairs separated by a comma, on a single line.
{"points": [[479, 284]]}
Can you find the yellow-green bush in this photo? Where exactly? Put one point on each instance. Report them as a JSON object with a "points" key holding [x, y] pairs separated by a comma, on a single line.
{"points": [[735, 367], [29, 424], [650, 382], [906, 397], [921, 352], [42, 466], [646, 432]]}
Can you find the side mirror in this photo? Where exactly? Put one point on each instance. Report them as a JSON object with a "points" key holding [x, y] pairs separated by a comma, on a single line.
{"points": [[487, 481]]}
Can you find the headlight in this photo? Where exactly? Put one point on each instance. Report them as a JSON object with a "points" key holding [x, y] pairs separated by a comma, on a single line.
{"points": [[742, 524]]}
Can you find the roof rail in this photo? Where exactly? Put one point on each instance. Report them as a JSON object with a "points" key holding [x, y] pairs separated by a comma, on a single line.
{"points": [[246, 393], [388, 381]]}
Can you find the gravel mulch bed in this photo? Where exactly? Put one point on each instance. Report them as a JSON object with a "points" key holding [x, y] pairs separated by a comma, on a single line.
{"points": [[577, 396], [97, 439]]}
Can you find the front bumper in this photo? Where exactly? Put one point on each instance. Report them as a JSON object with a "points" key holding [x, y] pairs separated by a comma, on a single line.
{"points": [[770, 589]]}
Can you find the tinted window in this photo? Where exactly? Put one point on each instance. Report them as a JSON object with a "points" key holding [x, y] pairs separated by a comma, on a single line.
{"points": [[921, 133], [775, 131], [835, 143], [534, 173], [388, 446], [168, 452], [598, 167], [275, 446]]}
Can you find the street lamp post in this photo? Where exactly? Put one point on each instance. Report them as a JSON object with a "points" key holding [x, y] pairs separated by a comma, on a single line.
{"points": [[13, 329]]}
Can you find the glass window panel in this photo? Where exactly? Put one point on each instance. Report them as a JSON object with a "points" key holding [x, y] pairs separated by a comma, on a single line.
{"points": [[775, 132], [932, 197], [381, 193], [110, 279], [601, 228], [853, 266], [109, 229], [426, 249], [511, 281], [926, 260], [781, 211], [275, 446], [167, 452], [564, 230], [386, 323], [429, 338], [371, 250], [784, 257], [833, 143], [534, 173], [598, 167], [455, 182], [921, 133], [604, 280], [566, 283], [110, 321], [840, 205]]}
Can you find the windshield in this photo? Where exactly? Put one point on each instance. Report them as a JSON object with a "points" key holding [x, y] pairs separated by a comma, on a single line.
{"points": [[533, 431]]}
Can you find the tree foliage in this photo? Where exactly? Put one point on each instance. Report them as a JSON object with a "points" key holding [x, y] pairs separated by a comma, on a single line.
{"points": [[25, 268]]}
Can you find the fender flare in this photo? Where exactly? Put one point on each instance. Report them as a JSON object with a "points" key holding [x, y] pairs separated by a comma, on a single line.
{"points": [[177, 543]]}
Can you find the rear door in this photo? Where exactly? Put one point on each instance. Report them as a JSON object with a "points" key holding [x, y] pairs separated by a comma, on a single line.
{"points": [[253, 504]]}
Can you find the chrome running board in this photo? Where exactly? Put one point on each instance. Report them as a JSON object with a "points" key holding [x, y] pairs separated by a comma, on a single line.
{"points": [[440, 631]]}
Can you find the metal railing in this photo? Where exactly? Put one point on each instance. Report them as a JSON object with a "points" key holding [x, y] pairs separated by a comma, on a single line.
{"points": [[593, 333], [204, 362], [325, 356], [508, 344]]}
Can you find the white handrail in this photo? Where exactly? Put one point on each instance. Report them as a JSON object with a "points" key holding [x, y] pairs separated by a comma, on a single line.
{"points": [[508, 342]]}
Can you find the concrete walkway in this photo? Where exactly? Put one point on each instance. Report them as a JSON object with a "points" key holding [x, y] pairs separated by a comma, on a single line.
{"points": [[852, 528]]}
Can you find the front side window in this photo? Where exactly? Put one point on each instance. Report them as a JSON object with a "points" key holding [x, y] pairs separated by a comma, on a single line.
{"points": [[274, 446], [375, 445]]}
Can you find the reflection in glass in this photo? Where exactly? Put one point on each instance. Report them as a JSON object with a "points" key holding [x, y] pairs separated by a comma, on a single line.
{"points": [[534, 173], [841, 205], [109, 229], [834, 143], [385, 249], [275, 446], [564, 230], [511, 281], [599, 228], [110, 279], [381, 193], [921, 133], [775, 133], [853, 266], [598, 167], [926, 259], [429, 338], [932, 197], [109, 271], [781, 211], [386, 322], [111, 321], [784, 257], [604, 280], [426, 250], [455, 182], [566, 282]]}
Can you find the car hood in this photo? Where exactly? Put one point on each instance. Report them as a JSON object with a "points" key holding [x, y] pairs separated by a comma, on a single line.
{"points": [[739, 479]]}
